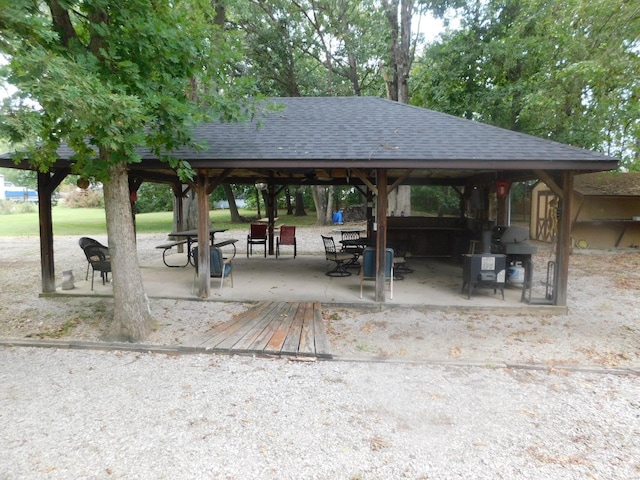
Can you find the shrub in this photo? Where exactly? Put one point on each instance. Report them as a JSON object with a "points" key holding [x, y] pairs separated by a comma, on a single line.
{"points": [[7, 207], [85, 199], [153, 197]]}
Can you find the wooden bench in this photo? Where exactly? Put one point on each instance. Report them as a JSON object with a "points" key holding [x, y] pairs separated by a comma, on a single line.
{"points": [[168, 246]]}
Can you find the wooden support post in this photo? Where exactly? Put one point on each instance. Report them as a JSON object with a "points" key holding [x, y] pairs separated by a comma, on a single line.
{"points": [[204, 265], [271, 215], [178, 210], [381, 237], [369, 214], [563, 247], [46, 234], [502, 211], [47, 183]]}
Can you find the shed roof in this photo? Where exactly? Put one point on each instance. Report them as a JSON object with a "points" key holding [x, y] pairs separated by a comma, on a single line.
{"points": [[608, 184]]}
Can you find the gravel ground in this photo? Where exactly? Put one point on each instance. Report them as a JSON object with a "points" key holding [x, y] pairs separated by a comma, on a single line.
{"points": [[88, 414], [424, 398]]}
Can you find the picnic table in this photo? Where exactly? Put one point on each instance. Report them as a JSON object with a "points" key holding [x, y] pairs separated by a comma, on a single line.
{"points": [[189, 237]]}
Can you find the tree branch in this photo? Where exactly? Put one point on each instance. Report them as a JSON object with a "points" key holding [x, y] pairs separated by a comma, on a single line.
{"points": [[62, 22]]}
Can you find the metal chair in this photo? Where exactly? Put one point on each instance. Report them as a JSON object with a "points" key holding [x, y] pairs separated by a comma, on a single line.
{"points": [[219, 267], [257, 236], [355, 250], [368, 270], [287, 237], [335, 256], [98, 262]]}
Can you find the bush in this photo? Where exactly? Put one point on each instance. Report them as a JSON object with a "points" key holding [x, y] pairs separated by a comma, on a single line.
{"points": [[7, 207], [154, 197], [85, 199]]}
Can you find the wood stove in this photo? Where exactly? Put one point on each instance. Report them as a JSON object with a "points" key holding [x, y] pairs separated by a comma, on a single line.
{"points": [[483, 270]]}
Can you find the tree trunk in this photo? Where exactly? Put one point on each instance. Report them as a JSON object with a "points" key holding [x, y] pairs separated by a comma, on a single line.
{"points": [[399, 203], [396, 75], [190, 211], [258, 202], [132, 321], [390, 73], [320, 202], [405, 57], [300, 212], [328, 220], [287, 196], [233, 208]]}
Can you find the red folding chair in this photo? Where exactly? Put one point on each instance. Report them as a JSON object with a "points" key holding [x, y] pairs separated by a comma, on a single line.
{"points": [[287, 237]]}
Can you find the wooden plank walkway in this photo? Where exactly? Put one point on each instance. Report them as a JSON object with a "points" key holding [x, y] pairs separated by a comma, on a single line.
{"points": [[271, 328]]}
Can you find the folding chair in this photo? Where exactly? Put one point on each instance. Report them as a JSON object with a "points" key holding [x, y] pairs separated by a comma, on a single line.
{"points": [[287, 237]]}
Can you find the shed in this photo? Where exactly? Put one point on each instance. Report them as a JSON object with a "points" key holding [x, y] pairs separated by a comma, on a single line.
{"points": [[605, 211]]}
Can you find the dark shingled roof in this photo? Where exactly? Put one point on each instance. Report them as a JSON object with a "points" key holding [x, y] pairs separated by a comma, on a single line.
{"points": [[370, 129], [369, 132]]}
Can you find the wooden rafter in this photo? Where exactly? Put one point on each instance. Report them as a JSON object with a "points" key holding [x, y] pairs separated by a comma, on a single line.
{"points": [[362, 176], [551, 183], [399, 180]]}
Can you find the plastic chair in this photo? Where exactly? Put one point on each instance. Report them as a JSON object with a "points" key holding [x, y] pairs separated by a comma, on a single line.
{"points": [[98, 262], [338, 257], [86, 241], [368, 270], [219, 267], [287, 237], [257, 236]]}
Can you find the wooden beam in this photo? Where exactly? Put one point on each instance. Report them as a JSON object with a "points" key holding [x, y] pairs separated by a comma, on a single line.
{"points": [[381, 237], [361, 175], [178, 210], [270, 206], [550, 182], [204, 254], [219, 179], [47, 183], [360, 189], [399, 180], [563, 247]]}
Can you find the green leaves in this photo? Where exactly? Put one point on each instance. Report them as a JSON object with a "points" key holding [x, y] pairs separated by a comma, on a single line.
{"points": [[116, 76], [566, 70]]}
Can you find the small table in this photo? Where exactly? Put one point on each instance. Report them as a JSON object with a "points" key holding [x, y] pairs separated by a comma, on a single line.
{"points": [[192, 237]]}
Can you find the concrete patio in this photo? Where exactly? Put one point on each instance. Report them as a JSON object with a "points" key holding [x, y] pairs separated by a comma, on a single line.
{"points": [[434, 283]]}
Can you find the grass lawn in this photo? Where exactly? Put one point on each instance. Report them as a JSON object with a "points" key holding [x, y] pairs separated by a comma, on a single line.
{"points": [[91, 221]]}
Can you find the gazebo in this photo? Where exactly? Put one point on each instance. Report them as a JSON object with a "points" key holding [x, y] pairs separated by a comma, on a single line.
{"points": [[369, 143]]}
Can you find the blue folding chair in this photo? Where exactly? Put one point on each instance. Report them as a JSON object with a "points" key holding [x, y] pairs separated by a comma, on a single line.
{"points": [[368, 270], [219, 266]]}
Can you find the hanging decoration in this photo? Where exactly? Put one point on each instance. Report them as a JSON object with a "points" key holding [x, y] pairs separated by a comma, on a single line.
{"points": [[502, 188]]}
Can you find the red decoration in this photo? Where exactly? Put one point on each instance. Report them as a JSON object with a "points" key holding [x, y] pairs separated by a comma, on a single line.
{"points": [[502, 188], [134, 196]]}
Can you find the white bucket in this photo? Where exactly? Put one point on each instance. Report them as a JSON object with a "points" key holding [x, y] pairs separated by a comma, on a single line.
{"points": [[515, 275]]}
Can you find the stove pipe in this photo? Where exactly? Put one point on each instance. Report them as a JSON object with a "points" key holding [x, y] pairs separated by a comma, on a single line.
{"points": [[485, 243]]}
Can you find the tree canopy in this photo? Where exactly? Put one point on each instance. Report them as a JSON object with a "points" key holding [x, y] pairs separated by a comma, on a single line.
{"points": [[565, 70], [113, 76], [106, 77]]}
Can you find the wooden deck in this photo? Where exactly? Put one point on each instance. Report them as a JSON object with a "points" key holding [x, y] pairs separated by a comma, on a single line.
{"points": [[271, 328]]}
